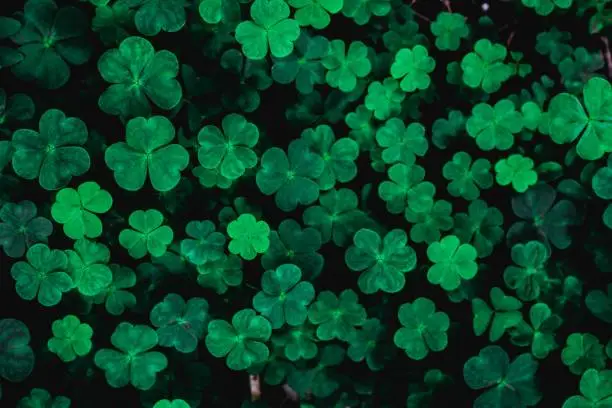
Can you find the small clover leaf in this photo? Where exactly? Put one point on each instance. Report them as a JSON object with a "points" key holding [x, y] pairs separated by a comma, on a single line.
{"points": [[494, 127], [429, 224], [116, 299], [596, 389], [467, 177], [485, 67], [453, 262], [204, 245], [583, 351], [336, 316], [516, 170], [344, 67], [42, 398], [406, 189], [154, 16], [600, 303], [21, 228], [449, 29], [249, 237], [87, 265], [541, 334], [71, 338], [401, 143], [530, 277], [148, 234], [413, 65], [220, 275]]}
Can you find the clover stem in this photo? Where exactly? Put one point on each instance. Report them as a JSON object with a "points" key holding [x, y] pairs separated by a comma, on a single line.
{"points": [[607, 55], [447, 4], [255, 386]]}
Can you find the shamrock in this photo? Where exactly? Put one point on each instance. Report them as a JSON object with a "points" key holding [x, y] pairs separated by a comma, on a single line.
{"points": [[516, 170], [510, 384], [147, 151], [17, 108], [452, 262], [506, 314], [43, 275], [485, 66], [423, 329], [219, 11], [481, 227], [55, 154], [382, 262], [148, 234], [9, 56], [229, 151], [76, 210], [304, 65], [449, 29], [21, 228], [413, 65], [221, 274], [494, 127], [15, 352], [600, 304], [87, 264], [112, 21], [596, 389], [206, 245], [315, 13], [406, 189], [338, 155], [298, 342], [540, 334], [242, 342], [283, 298], [384, 99], [602, 180], [271, 27], [291, 244], [530, 277], [291, 176], [249, 237], [345, 67], [49, 38], [133, 363], [138, 73], [429, 223], [569, 121], [336, 316], [544, 220], [401, 143], [367, 344], [583, 351], [154, 16], [41, 398], [180, 324], [467, 177], [362, 10], [71, 338], [446, 131], [177, 403], [545, 7], [116, 299], [554, 43]]}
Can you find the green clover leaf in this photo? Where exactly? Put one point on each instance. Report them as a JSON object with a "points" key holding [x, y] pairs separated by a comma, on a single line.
{"points": [[154, 16], [15, 351], [271, 28], [485, 66], [406, 189], [242, 342], [315, 13], [401, 143], [494, 127], [423, 329], [596, 390], [71, 338], [87, 265], [41, 398], [516, 170], [413, 65], [249, 237], [133, 363], [21, 228], [583, 351], [206, 245], [220, 275], [530, 278], [452, 262], [467, 177], [344, 67], [362, 10], [116, 299], [429, 224], [384, 99], [148, 151], [148, 234], [540, 334], [382, 262], [336, 316], [449, 29], [545, 7], [504, 316], [600, 304]]}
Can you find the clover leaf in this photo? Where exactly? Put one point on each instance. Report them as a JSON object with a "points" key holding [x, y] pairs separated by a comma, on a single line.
{"points": [[180, 324], [481, 227], [336, 316], [583, 351], [207, 244], [49, 39], [249, 237], [449, 29], [516, 170], [220, 275], [116, 299], [21, 228], [530, 277], [384, 99], [39, 397], [362, 10], [219, 11], [77, 209], [485, 66], [283, 298], [508, 384], [229, 151], [148, 234], [382, 262], [452, 262], [504, 316], [545, 7], [291, 176], [423, 329], [271, 28], [242, 342], [600, 304], [43, 275], [154, 16], [596, 389], [54, 155], [293, 245], [367, 344], [406, 189], [71, 338], [87, 265], [133, 363], [344, 67], [16, 354], [429, 224], [138, 74], [467, 177], [338, 155], [494, 127], [413, 65], [401, 143], [17, 108], [315, 13], [540, 334], [148, 151], [569, 120]]}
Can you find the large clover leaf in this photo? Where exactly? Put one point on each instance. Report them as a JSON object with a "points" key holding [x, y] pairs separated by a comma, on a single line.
{"points": [[20, 228], [87, 265]]}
